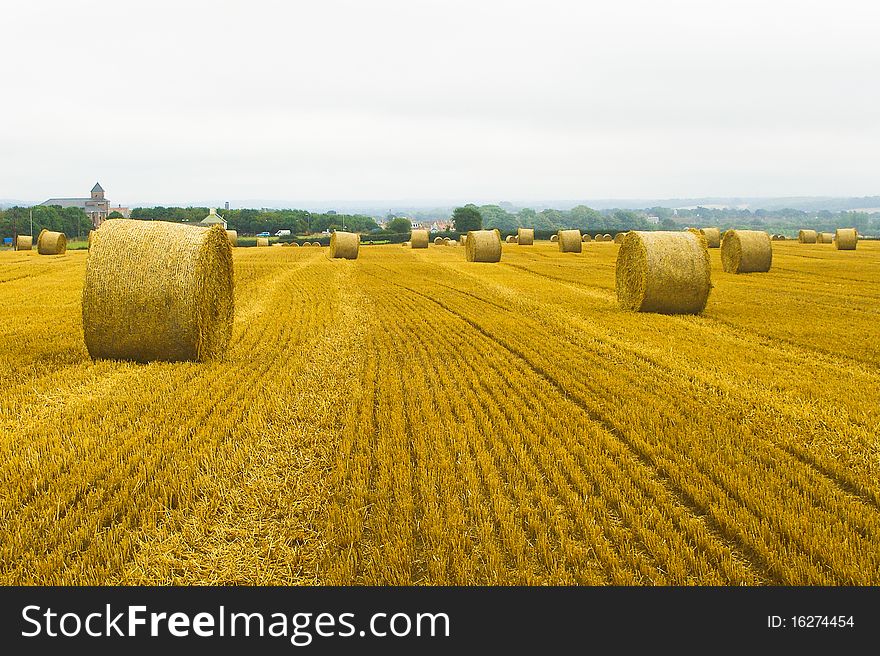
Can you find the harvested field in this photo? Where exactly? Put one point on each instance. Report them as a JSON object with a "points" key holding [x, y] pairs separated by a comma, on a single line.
{"points": [[419, 426]]}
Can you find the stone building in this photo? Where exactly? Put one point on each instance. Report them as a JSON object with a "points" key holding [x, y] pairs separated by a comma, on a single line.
{"points": [[95, 206]]}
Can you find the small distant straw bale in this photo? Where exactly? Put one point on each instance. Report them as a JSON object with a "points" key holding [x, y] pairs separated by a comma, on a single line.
{"points": [[807, 236], [846, 239], [51, 243], [525, 236], [554, 238], [746, 251], [713, 237], [483, 246], [262, 241], [24, 243], [344, 245], [569, 241], [665, 272], [419, 238]]}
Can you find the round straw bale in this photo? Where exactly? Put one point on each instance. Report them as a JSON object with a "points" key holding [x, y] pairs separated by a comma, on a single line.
{"points": [[824, 237], [158, 291], [570, 241], [232, 236], [666, 272], [51, 243], [277, 244], [24, 243], [293, 244], [438, 241], [419, 238], [262, 241], [446, 240], [483, 246], [618, 238], [554, 238], [452, 242], [344, 245], [525, 236], [586, 238], [807, 236], [845, 239], [508, 239], [462, 240], [317, 243], [607, 237], [746, 251], [713, 237], [406, 244]]}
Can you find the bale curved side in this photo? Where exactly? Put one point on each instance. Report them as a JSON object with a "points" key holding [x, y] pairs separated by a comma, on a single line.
{"points": [[158, 291], [746, 251], [91, 237], [846, 239], [232, 236], [344, 245], [665, 272], [807, 236], [570, 241], [51, 243], [24, 243], [483, 246], [525, 236]]}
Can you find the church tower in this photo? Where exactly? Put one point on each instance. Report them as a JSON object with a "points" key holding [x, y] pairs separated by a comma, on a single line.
{"points": [[97, 192]]}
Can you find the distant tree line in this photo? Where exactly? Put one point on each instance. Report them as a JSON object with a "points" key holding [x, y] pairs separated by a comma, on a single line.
{"points": [[72, 221], [251, 221]]}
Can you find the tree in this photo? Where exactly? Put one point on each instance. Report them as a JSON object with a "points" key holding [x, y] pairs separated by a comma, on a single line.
{"points": [[467, 218], [115, 215], [399, 225]]}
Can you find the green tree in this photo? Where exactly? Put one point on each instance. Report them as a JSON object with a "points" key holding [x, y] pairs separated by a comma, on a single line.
{"points": [[115, 215], [399, 225], [467, 218]]}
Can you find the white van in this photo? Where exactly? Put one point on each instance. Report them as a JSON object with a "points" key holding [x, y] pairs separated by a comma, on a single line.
{"points": [[282, 233]]}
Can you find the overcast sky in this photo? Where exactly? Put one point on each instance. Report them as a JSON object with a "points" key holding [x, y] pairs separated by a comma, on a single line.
{"points": [[177, 102]]}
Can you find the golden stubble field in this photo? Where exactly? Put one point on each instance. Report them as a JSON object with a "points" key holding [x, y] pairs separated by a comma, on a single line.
{"points": [[410, 418]]}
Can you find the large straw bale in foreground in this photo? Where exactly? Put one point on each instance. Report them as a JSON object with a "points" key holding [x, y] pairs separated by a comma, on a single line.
{"points": [[807, 236], [845, 239], [158, 291], [570, 241], [746, 251], [525, 236], [666, 272], [51, 243], [344, 245], [483, 246], [24, 243], [419, 238], [824, 237], [262, 241], [232, 236], [713, 237], [554, 238]]}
